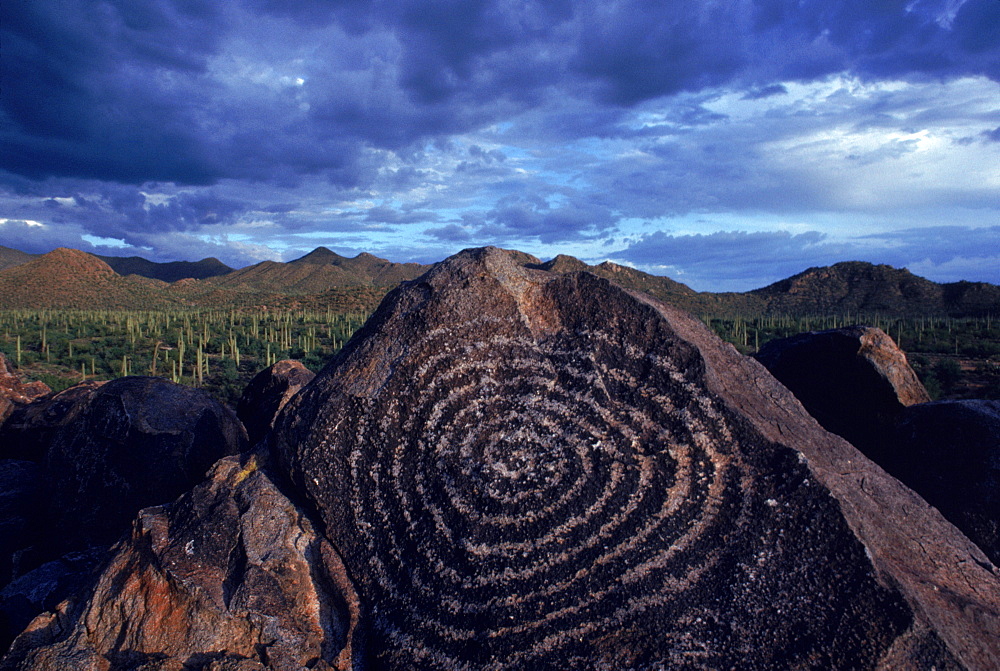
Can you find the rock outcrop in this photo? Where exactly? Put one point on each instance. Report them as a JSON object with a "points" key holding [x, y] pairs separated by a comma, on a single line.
{"points": [[949, 452], [19, 499], [267, 394], [92, 457], [855, 381], [231, 576], [14, 392], [523, 470]]}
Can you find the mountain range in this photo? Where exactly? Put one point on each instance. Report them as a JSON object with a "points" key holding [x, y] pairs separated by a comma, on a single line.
{"points": [[69, 278]]}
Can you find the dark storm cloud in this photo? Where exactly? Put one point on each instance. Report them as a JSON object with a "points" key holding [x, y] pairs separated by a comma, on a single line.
{"points": [[450, 233], [533, 218], [81, 91], [387, 215], [125, 90], [765, 92], [228, 111]]}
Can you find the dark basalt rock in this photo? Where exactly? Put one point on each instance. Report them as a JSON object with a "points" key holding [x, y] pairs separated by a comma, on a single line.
{"points": [[855, 381], [30, 429], [949, 452], [139, 441], [24, 494], [20, 499], [267, 394], [44, 588], [531, 471], [231, 577], [103, 452]]}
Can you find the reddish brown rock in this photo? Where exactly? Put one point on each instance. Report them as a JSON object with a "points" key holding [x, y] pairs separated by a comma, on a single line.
{"points": [[855, 381], [949, 453], [14, 392], [231, 577], [267, 394], [103, 453], [523, 470]]}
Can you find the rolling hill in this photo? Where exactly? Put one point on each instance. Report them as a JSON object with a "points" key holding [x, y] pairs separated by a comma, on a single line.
{"points": [[855, 286], [66, 278], [166, 272]]}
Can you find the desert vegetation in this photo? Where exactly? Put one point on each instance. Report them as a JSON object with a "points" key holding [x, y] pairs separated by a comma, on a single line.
{"points": [[219, 350]]}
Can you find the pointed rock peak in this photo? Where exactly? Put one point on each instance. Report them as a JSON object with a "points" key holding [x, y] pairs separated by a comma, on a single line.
{"points": [[563, 263], [318, 256], [491, 265]]}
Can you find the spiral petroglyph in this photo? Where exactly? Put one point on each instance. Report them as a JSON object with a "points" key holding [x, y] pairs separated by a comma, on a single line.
{"points": [[514, 486], [531, 472]]}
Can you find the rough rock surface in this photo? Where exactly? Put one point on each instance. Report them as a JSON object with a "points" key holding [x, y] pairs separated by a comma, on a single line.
{"points": [[44, 588], [14, 392], [30, 429], [949, 452], [231, 577], [267, 394], [855, 381], [530, 471], [139, 441]]}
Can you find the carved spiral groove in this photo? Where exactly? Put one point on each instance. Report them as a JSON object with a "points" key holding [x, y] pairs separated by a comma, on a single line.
{"points": [[503, 489]]}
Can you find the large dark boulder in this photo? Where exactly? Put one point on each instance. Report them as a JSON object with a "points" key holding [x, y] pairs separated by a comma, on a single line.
{"points": [[949, 452], [20, 499], [98, 454], [24, 523], [267, 394], [855, 381], [524, 470], [139, 441]]}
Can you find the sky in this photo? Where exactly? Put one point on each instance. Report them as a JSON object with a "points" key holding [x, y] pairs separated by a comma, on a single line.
{"points": [[724, 143]]}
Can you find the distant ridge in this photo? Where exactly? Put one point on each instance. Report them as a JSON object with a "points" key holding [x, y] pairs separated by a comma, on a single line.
{"points": [[72, 278], [167, 272], [13, 257], [320, 270]]}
